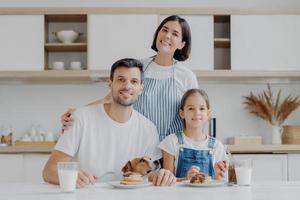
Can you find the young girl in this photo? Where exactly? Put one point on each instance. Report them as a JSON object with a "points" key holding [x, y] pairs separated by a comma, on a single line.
{"points": [[166, 79], [187, 152]]}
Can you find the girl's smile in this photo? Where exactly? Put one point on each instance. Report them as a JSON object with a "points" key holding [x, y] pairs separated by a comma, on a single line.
{"points": [[195, 111]]}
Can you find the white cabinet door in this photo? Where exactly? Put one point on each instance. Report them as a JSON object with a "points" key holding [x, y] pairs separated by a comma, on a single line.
{"points": [[202, 31], [33, 167], [22, 42], [11, 168], [112, 37], [265, 42], [294, 167], [265, 167]]}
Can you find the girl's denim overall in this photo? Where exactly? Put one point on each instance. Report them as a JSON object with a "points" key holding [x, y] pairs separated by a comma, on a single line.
{"points": [[189, 157]]}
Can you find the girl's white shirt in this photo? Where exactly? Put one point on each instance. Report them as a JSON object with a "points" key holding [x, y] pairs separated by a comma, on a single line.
{"points": [[171, 145], [185, 79]]}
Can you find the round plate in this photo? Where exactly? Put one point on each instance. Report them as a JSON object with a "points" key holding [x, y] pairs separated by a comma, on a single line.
{"points": [[117, 184], [212, 183]]}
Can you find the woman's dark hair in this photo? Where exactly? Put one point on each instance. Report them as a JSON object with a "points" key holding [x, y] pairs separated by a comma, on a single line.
{"points": [[192, 92], [128, 63], [180, 54]]}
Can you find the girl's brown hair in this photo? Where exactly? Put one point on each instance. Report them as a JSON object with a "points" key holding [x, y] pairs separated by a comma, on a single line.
{"points": [[191, 92]]}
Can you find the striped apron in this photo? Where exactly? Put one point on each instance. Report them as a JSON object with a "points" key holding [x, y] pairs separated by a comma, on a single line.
{"points": [[160, 103]]}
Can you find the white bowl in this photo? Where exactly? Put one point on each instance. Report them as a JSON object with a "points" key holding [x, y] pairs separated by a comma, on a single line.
{"points": [[58, 65], [75, 65], [67, 36]]}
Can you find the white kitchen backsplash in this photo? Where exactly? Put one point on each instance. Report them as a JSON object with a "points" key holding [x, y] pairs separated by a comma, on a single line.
{"points": [[24, 105]]}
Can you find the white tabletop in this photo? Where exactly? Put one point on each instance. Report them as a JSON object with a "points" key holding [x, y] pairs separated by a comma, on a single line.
{"points": [[257, 191]]}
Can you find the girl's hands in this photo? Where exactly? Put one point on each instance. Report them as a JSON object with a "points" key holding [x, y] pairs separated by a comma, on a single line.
{"points": [[220, 169], [66, 120], [193, 171]]}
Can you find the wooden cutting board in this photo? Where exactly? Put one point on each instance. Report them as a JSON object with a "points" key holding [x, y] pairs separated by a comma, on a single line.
{"points": [[244, 140], [35, 144]]}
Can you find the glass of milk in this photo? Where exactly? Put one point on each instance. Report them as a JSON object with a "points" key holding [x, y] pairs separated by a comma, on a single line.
{"points": [[67, 174], [243, 175]]}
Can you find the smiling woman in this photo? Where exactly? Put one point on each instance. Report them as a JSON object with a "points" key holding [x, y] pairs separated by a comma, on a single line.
{"points": [[166, 79]]}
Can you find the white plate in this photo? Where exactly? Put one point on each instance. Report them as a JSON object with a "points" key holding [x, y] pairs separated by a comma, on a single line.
{"points": [[117, 184], [212, 183]]}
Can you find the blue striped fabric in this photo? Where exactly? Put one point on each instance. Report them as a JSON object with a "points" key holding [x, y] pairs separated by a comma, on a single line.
{"points": [[160, 103]]}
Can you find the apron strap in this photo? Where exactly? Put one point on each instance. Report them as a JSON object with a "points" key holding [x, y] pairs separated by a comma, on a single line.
{"points": [[179, 137]]}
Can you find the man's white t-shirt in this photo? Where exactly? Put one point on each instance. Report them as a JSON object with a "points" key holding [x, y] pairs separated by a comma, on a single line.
{"points": [[185, 79], [171, 145], [101, 144]]}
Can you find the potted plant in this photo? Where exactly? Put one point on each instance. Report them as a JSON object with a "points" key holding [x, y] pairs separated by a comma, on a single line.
{"points": [[271, 109]]}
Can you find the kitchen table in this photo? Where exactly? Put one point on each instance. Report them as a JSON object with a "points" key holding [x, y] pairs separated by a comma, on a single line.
{"points": [[257, 191]]}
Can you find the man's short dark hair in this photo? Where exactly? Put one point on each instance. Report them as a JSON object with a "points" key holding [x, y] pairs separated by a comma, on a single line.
{"points": [[128, 63]]}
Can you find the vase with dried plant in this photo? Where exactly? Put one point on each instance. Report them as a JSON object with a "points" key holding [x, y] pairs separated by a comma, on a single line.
{"points": [[271, 109]]}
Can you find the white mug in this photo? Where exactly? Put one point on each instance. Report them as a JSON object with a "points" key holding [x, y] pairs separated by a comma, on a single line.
{"points": [[75, 65], [58, 65], [49, 136]]}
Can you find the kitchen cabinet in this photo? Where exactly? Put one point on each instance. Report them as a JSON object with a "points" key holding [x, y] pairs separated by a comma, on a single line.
{"points": [[33, 167], [11, 167], [266, 167], [22, 167], [293, 167], [265, 42], [202, 51], [227, 46], [116, 36], [22, 42]]}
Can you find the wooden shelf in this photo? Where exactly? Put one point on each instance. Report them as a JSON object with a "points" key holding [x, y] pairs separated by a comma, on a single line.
{"points": [[222, 42], [61, 47], [49, 76], [234, 75], [66, 18], [89, 76], [251, 149]]}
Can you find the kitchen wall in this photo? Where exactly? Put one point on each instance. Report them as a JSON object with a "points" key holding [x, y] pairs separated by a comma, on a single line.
{"points": [[23, 105]]}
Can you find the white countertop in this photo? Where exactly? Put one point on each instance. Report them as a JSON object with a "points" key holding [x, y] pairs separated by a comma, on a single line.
{"points": [[257, 191], [264, 148]]}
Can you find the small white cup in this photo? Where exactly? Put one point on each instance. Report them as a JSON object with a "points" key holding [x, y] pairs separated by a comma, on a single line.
{"points": [[75, 65], [58, 65], [243, 175], [67, 174]]}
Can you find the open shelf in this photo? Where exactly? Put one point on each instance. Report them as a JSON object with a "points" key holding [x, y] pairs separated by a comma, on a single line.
{"points": [[222, 42], [67, 53]]}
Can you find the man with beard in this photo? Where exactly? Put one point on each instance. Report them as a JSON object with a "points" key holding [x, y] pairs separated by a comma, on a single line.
{"points": [[105, 136]]}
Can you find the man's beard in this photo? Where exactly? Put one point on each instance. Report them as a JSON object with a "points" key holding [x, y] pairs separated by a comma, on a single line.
{"points": [[122, 102]]}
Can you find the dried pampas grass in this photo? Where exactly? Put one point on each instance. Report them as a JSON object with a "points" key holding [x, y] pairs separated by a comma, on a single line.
{"points": [[274, 112]]}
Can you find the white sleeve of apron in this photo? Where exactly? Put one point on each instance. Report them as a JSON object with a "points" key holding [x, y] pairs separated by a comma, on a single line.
{"points": [[69, 141]]}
